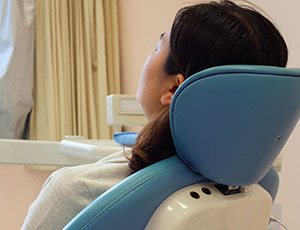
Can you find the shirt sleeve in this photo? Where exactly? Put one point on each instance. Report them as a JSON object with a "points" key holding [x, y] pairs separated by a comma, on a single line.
{"points": [[60, 199]]}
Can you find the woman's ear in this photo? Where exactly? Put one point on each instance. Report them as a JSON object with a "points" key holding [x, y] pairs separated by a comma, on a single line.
{"points": [[173, 85]]}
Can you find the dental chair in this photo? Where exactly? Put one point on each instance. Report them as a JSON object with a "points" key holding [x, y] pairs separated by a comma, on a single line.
{"points": [[228, 124]]}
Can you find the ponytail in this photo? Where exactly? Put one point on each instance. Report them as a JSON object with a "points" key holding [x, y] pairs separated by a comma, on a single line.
{"points": [[154, 142]]}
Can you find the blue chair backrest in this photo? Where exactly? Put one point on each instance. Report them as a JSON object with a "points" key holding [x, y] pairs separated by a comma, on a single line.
{"points": [[235, 119], [228, 124]]}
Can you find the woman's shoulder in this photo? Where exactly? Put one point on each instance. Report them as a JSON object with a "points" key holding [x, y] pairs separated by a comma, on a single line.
{"points": [[113, 161], [119, 157], [95, 177], [91, 179], [70, 189]]}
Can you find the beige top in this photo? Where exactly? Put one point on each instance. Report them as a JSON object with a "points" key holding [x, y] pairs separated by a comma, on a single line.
{"points": [[68, 190]]}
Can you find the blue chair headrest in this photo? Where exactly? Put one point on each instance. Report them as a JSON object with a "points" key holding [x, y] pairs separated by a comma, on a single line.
{"points": [[229, 123]]}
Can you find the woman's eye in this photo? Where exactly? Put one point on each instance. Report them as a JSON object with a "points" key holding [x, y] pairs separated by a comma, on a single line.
{"points": [[157, 47]]}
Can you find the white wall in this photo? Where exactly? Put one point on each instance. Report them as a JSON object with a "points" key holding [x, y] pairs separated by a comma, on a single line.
{"points": [[142, 21]]}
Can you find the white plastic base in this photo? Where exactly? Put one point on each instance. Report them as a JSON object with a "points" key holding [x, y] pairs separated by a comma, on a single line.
{"points": [[191, 208]]}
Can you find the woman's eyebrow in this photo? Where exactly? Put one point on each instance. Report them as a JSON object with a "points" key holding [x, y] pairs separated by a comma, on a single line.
{"points": [[161, 36]]}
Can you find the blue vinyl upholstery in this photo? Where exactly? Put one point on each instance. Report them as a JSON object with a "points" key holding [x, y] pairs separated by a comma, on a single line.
{"points": [[236, 118], [125, 138], [228, 123], [130, 204]]}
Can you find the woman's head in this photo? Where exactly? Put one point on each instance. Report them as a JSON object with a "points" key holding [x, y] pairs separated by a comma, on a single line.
{"points": [[206, 35], [202, 36], [155, 82]]}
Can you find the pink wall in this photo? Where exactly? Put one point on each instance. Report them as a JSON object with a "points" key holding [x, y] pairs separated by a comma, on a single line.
{"points": [[19, 187], [141, 23]]}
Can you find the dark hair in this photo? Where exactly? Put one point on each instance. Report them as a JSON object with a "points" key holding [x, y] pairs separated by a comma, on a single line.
{"points": [[214, 34], [203, 36]]}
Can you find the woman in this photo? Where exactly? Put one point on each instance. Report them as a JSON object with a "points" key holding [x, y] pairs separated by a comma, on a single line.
{"points": [[202, 36]]}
